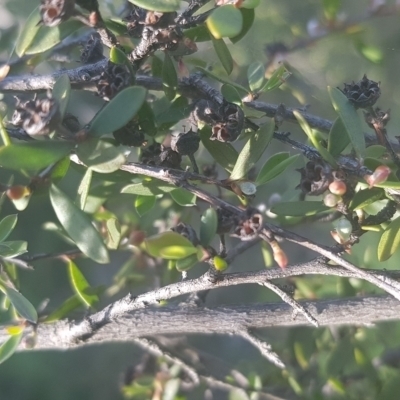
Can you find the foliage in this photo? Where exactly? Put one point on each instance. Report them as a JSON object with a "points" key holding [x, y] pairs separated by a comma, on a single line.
{"points": [[117, 189]]}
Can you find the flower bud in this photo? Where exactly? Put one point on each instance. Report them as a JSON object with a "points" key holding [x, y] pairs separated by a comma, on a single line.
{"points": [[331, 200], [220, 264], [18, 192], [338, 187], [343, 228], [380, 175]]}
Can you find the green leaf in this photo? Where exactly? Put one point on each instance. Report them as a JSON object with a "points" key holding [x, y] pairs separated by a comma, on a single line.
{"points": [[223, 153], [231, 94], [338, 138], [253, 150], [183, 197], [314, 139], [208, 226], [69, 305], [170, 77], [144, 204], [13, 248], [389, 241], [248, 16], [198, 33], [279, 77], [101, 156], [375, 151], [31, 27], [148, 188], [299, 208], [7, 224], [47, 37], [118, 112], [7, 349], [158, 5], [146, 119], [224, 79], [113, 233], [60, 169], [256, 75], [83, 189], [370, 52], [250, 3], [117, 56], [223, 54], [331, 8], [184, 264], [169, 245], [61, 92], [78, 226], [21, 304], [365, 197], [225, 21], [274, 166], [350, 119], [33, 155], [80, 285]]}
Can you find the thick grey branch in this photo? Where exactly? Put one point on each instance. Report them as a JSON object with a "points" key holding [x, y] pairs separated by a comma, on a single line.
{"points": [[219, 320]]}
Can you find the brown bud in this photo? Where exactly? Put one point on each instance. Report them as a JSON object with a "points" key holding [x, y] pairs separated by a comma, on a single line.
{"points": [[17, 192], [380, 175], [338, 187]]}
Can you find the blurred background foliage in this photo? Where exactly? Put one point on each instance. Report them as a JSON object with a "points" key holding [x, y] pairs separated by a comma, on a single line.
{"points": [[334, 363]]}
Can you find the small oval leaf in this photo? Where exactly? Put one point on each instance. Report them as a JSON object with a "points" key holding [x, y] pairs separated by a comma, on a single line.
{"points": [[33, 155], [338, 138], [7, 349], [7, 224], [225, 21], [184, 264], [256, 75], [223, 54], [274, 166], [21, 304], [158, 5], [78, 226], [169, 245], [148, 188], [183, 197], [365, 197], [223, 153], [144, 204], [389, 241], [83, 189], [47, 37], [208, 226], [350, 119], [80, 285], [170, 77], [253, 150], [31, 27], [118, 112], [61, 92]]}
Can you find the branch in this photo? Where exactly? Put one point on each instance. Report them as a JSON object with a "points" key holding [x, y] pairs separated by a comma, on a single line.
{"points": [[231, 320]]}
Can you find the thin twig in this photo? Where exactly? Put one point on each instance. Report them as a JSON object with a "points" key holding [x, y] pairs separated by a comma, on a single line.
{"points": [[292, 302], [263, 347]]}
